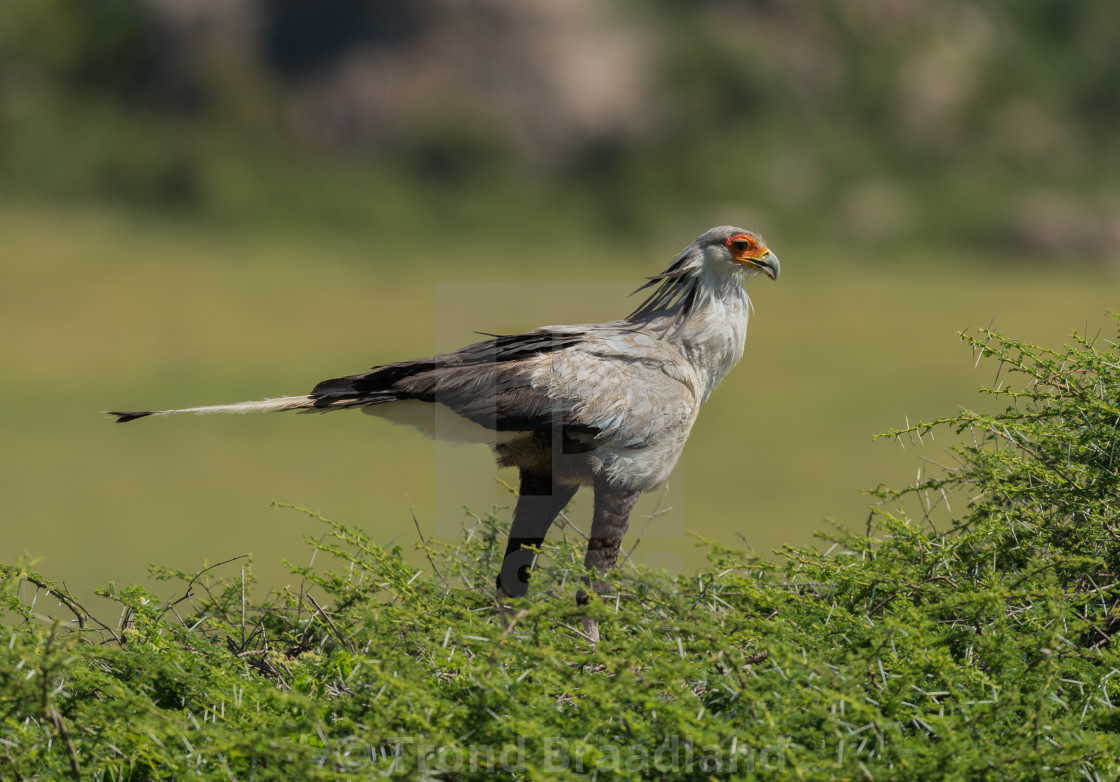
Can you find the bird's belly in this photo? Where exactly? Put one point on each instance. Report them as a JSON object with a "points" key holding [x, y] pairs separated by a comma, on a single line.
{"points": [[645, 467], [439, 422]]}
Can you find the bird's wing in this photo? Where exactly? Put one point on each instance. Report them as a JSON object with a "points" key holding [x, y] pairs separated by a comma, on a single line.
{"points": [[627, 385], [487, 382], [598, 380]]}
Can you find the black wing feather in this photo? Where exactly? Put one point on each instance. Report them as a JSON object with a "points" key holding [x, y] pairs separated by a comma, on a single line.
{"points": [[480, 382]]}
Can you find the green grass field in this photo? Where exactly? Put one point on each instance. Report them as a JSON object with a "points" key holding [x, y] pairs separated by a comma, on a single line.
{"points": [[102, 311]]}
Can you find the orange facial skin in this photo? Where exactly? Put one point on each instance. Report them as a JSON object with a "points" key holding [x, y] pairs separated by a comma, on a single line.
{"points": [[745, 248]]}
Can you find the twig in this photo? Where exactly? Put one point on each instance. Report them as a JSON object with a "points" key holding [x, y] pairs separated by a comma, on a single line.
{"points": [[76, 608], [506, 486], [568, 523], [509, 625], [578, 632], [424, 543], [64, 733], [330, 623], [656, 513], [56, 716], [63, 598], [757, 658], [242, 606], [198, 575]]}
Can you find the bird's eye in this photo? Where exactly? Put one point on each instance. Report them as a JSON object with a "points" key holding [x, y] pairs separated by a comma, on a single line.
{"points": [[740, 245]]}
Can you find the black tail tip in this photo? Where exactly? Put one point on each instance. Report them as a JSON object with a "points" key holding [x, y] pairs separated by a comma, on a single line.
{"points": [[125, 417]]}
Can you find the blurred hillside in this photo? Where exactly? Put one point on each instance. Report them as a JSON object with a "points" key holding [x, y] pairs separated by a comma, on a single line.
{"points": [[871, 121], [205, 201]]}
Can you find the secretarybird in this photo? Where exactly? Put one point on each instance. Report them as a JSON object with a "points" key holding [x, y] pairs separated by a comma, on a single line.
{"points": [[607, 405]]}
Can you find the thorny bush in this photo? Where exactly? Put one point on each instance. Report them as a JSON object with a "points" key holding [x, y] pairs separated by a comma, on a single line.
{"points": [[932, 644]]}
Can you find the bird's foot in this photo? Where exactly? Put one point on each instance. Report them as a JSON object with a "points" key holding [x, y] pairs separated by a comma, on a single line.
{"points": [[591, 630], [505, 614], [583, 597]]}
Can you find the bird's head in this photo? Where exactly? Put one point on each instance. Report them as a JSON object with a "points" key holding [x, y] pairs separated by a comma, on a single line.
{"points": [[718, 262], [745, 252]]}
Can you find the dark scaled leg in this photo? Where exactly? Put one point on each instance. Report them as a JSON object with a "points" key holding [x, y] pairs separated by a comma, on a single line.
{"points": [[608, 526], [538, 504]]}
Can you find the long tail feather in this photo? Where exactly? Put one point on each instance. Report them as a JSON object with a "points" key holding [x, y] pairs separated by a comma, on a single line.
{"points": [[263, 406]]}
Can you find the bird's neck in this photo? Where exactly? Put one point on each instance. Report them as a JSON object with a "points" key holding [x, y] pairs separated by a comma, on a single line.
{"points": [[705, 319], [714, 338]]}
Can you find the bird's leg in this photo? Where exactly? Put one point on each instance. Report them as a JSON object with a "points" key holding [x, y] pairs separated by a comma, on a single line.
{"points": [[538, 504], [608, 526]]}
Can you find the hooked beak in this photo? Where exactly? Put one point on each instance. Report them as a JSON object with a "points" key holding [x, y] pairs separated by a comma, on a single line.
{"points": [[769, 265]]}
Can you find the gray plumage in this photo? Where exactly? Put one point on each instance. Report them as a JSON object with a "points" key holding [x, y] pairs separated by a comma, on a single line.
{"points": [[609, 405]]}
